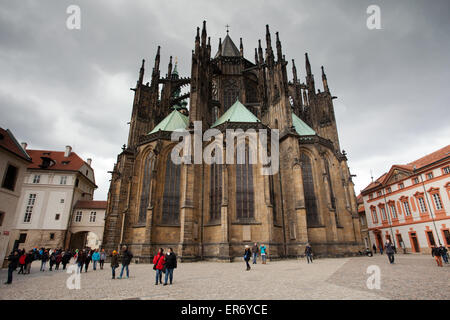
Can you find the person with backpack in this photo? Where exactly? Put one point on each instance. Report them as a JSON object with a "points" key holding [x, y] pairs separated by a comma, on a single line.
{"points": [[13, 262], [309, 253], [95, 259], [158, 265], [66, 256], [126, 260], [263, 250], [171, 263], [444, 253], [44, 259], [102, 258], [436, 253], [114, 263], [80, 260], [247, 256], [389, 251], [87, 260], [52, 260], [22, 262], [28, 260]]}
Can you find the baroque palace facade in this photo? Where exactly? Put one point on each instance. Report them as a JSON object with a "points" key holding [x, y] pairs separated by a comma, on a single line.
{"points": [[208, 211]]}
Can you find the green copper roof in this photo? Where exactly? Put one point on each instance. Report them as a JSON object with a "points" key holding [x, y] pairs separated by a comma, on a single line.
{"points": [[236, 113], [302, 128], [174, 121]]}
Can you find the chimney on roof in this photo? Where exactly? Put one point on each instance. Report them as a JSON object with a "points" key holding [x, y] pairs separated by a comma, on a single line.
{"points": [[24, 145], [89, 161], [68, 151]]}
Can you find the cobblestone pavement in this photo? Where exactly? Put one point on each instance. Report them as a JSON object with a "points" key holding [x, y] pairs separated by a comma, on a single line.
{"points": [[411, 277]]}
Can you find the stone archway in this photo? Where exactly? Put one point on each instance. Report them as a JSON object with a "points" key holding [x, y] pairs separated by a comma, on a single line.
{"points": [[83, 239]]}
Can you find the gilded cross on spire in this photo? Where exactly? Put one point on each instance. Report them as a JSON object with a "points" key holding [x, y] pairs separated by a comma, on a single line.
{"points": [[227, 26]]}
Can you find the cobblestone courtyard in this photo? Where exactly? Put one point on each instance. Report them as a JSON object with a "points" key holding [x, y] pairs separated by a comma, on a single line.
{"points": [[411, 277]]}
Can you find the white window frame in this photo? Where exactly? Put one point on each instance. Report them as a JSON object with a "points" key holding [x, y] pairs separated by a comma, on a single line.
{"points": [[93, 216], [30, 207], [36, 178], [422, 206], [437, 201], [78, 216], [393, 211], [407, 208], [63, 180]]}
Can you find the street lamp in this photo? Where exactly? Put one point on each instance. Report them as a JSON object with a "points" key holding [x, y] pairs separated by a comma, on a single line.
{"points": [[387, 212], [428, 202]]}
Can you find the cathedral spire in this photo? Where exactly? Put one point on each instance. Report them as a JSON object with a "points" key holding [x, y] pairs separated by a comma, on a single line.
{"points": [[204, 34], [256, 56], [294, 72], [169, 71], [279, 53], [307, 65], [309, 76], [197, 41], [219, 53], [241, 48], [141, 73], [157, 59], [260, 52], [324, 81]]}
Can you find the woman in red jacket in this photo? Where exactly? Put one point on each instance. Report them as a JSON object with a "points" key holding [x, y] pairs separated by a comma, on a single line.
{"points": [[158, 265]]}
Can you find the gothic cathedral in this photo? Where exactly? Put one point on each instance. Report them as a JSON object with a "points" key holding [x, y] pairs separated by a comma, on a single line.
{"points": [[211, 211]]}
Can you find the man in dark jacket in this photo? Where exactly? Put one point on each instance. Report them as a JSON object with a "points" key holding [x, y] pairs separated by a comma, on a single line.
{"points": [[436, 253], [126, 260], [444, 253], [389, 251], [13, 262], [171, 263], [308, 253], [255, 251]]}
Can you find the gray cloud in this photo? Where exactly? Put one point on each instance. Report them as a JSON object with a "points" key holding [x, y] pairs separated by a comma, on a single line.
{"points": [[60, 86]]}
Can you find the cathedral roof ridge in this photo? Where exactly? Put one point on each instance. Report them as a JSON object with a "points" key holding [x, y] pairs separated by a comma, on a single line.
{"points": [[236, 113], [174, 121], [229, 49], [301, 127]]}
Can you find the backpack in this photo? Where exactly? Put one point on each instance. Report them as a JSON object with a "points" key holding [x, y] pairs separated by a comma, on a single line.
{"points": [[22, 259]]}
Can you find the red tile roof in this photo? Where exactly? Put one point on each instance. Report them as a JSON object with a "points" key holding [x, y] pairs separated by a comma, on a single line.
{"points": [[419, 163], [71, 163], [90, 204], [9, 143]]}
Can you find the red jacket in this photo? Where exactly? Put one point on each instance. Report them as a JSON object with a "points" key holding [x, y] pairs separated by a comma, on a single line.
{"points": [[159, 261]]}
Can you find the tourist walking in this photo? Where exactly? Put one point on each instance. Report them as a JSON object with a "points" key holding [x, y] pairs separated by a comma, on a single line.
{"points": [[52, 260], [22, 262], [44, 259], [247, 255], [170, 264], [436, 253], [126, 260], [80, 260], [13, 262], [102, 258], [389, 251], [95, 259], [308, 253], [158, 265], [263, 250], [28, 260], [114, 263], [255, 251], [58, 259], [374, 247], [87, 260], [444, 253], [381, 249], [66, 256]]}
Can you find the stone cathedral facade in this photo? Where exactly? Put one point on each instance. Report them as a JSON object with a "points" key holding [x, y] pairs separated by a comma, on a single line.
{"points": [[211, 211]]}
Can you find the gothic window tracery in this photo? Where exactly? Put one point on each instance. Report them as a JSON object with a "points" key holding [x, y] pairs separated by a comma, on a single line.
{"points": [[231, 93], [146, 181], [215, 197], [171, 196], [312, 214], [244, 190]]}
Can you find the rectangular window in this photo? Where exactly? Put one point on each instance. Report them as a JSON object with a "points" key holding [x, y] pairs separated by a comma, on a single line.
{"points": [[52, 236], [393, 211], [446, 170], [416, 180], [37, 178], [2, 216], [383, 212], [422, 206], [22, 237], [63, 180], [57, 216], [9, 180], [429, 175], [374, 215], [389, 190], [401, 186], [92, 216], [30, 206], [61, 201], [379, 193], [447, 236], [78, 216], [370, 196], [406, 206], [431, 238], [437, 201]]}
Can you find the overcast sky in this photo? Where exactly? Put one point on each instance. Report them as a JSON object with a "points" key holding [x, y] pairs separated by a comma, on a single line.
{"points": [[63, 87]]}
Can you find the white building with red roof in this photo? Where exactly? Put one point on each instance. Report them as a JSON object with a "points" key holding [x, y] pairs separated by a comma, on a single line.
{"points": [[54, 182], [410, 204], [13, 165]]}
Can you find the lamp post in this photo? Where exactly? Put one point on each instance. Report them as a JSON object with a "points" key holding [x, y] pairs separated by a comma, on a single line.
{"points": [[429, 207]]}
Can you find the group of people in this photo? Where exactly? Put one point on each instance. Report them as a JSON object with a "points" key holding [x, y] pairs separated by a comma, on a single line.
{"points": [[84, 258], [253, 252], [439, 254], [164, 263]]}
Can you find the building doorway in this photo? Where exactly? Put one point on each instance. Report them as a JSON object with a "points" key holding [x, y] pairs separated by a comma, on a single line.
{"points": [[414, 242]]}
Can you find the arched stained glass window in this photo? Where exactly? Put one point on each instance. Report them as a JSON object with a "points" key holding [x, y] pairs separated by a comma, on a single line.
{"points": [[312, 214], [215, 196], [146, 181], [330, 185], [244, 190], [171, 197]]}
